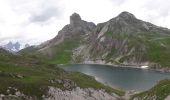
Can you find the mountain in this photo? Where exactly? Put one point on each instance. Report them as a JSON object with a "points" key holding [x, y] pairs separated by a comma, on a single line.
{"points": [[33, 73], [70, 37], [123, 40], [129, 41], [26, 45], [13, 47]]}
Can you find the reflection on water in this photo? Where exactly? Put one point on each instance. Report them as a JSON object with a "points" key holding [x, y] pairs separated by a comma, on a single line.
{"points": [[124, 78]]}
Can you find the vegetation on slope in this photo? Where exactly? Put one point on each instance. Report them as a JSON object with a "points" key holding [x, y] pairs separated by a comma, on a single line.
{"points": [[142, 47], [32, 77], [149, 47], [159, 54], [64, 51], [158, 92]]}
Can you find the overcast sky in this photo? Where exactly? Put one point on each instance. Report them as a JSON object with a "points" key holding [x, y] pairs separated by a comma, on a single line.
{"points": [[35, 21]]}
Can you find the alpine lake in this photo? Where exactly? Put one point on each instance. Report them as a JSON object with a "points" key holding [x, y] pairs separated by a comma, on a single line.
{"points": [[125, 78]]}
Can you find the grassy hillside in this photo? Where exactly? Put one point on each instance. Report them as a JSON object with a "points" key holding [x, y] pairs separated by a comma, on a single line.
{"points": [[32, 77], [63, 52], [157, 48], [136, 47], [158, 92]]}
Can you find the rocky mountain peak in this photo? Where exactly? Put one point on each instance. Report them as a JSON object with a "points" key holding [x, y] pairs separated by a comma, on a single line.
{"points": [[126, 15], [76, 29], [124, 39], [75, 19], [12, 46]]}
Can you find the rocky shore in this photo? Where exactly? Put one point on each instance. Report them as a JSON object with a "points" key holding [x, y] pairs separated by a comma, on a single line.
{"points": [[79, 94], [58, 94]]}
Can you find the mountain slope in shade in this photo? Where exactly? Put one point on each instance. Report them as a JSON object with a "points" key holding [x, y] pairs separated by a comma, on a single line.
{"points": [[121, 40]]}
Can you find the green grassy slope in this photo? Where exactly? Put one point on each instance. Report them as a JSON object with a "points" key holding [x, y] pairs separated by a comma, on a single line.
{"points": [[157, 48], [63, 51], [149, 47], [158, 92], [32, 77]]}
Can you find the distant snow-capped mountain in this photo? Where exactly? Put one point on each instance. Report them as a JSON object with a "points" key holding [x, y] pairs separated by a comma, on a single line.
{"points": [[14, 47]]}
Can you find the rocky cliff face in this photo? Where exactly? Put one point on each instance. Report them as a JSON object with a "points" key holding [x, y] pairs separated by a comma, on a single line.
{"points": [[72, 34], [129, 41], [58, 94], [80, 94], [121, 40]]}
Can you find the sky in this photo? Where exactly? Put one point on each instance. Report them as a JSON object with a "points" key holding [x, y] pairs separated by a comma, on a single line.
{"points": [[36, 21]]}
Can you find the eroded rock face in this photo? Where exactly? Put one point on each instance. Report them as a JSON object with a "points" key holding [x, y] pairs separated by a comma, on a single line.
{"points": [[75, 19], [14, 94], [121, 40], [77, 29], [126, 15], [67, 84], [79, 94], [76, 93], [167, 98]]}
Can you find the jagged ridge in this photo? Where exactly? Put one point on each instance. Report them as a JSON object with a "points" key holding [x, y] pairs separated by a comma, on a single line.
{"points": [[121, 40]]}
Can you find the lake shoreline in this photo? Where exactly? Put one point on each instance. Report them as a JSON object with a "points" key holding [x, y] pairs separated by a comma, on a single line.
{"points": [[129, 91], [162, 70]]}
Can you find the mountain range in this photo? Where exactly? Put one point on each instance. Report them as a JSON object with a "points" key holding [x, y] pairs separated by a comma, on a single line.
{"points": [[123, 40], [34, 74], [14, 47]]}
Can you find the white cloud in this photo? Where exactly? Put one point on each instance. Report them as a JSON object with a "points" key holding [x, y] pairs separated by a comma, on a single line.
{"points": [[35, 21], [30, 21]]}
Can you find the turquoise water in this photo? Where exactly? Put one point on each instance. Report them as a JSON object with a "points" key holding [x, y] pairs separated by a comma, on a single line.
{"points": [[118, 77]]}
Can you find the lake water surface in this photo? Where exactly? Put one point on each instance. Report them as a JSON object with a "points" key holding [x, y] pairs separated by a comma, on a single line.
{"points": [[120, 77]]}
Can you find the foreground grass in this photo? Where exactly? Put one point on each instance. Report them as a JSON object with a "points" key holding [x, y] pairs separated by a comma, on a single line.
{"points": [[36, 80], [31, 80], [158, 92], [32, 77], [85, 81]]}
